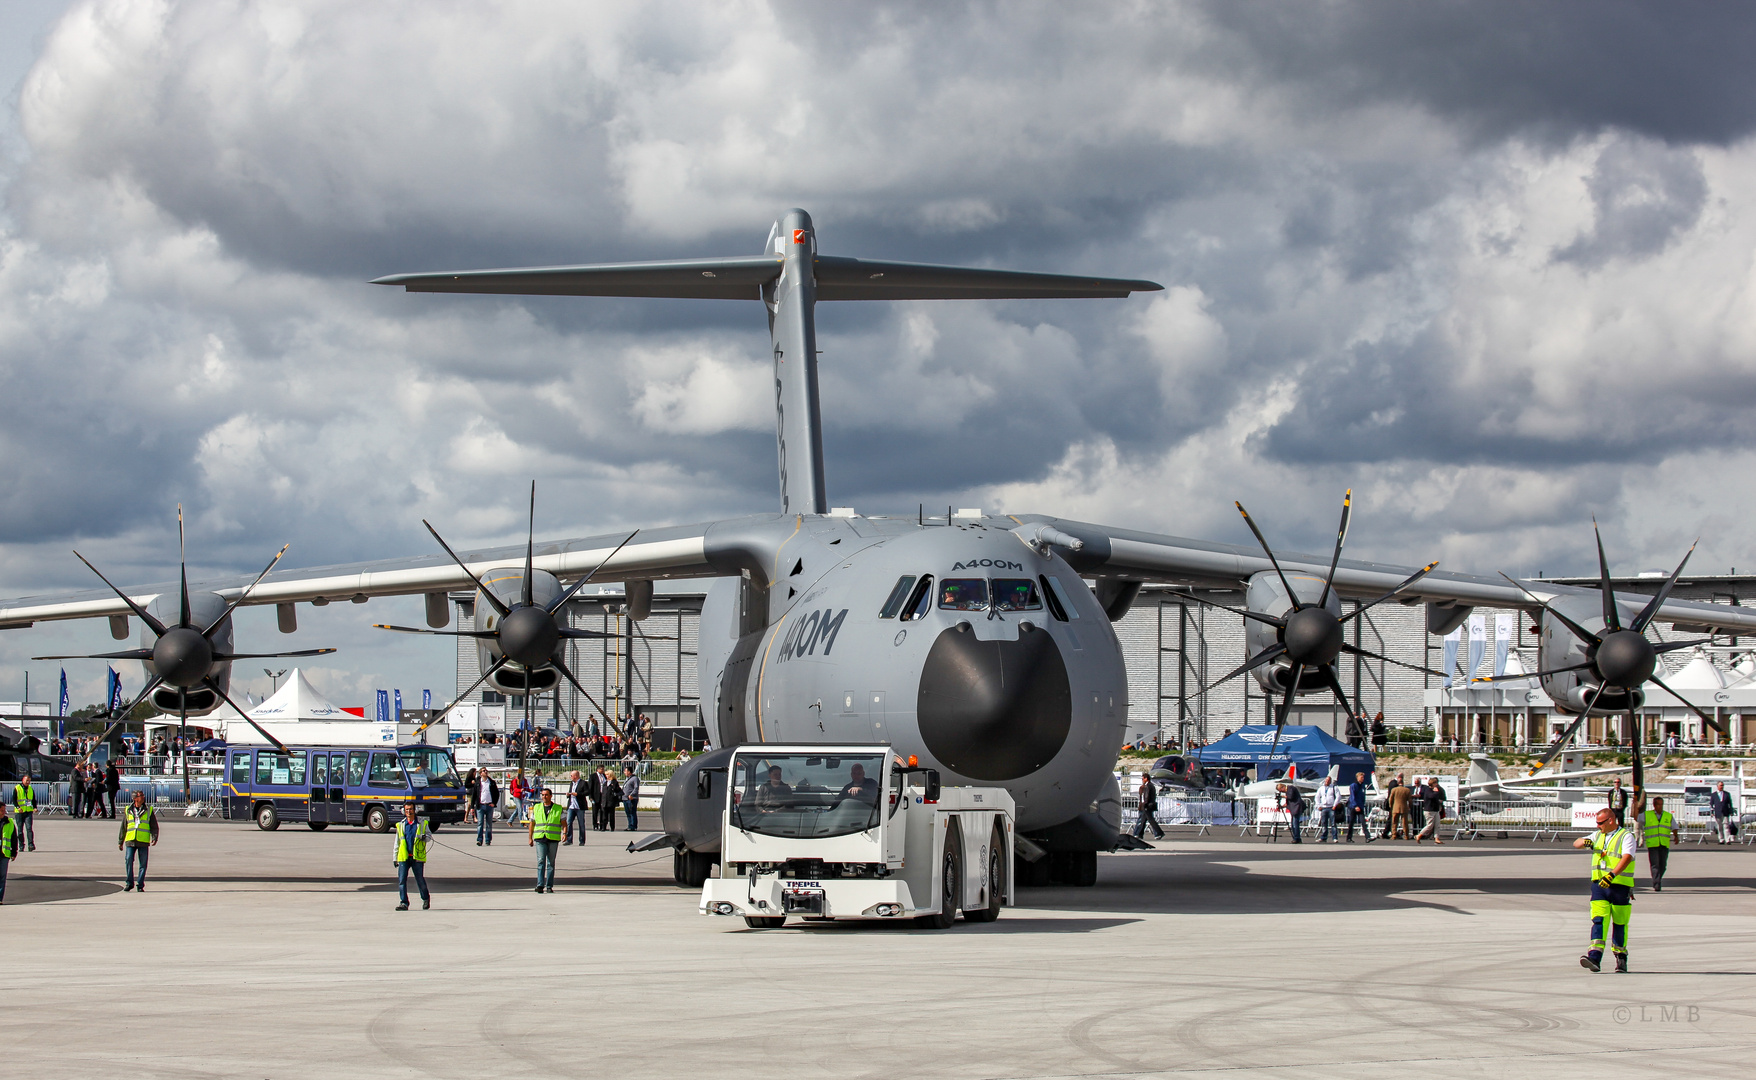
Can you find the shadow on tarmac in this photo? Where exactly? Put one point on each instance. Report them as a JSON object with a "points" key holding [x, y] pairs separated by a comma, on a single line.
{"points": [[23, 889]]}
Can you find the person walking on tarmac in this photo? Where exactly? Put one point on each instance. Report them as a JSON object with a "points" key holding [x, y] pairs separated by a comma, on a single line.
{"points": [[1660, 828], [8, 847], [24, 807], [139, 831], [1356, 808], [488, 794], [545, 822], [411, 857], [1148, 809], [1612, 889]]}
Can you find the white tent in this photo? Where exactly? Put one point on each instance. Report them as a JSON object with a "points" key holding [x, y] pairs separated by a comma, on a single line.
{"points": [[297, 699]]}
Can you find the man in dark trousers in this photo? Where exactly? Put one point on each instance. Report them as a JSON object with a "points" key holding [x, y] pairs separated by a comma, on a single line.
{"points": [[112, 785], [76, 791], [1389, 794], [1356, 808], [603, 810], [1148, 809], [1619, 802], [1659, 828]]}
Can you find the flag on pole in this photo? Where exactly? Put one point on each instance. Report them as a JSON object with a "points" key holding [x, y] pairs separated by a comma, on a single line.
{"points": [[112, 692], [1450, 664], [1505, 629], [1478, 643], [383, 710], [427, 699], [63, 705], [398, 712]]}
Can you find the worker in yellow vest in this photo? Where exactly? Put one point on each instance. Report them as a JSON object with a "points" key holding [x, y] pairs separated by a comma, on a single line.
{"points": [[546, 823], [1660, 829], [8, 847], [24, 805], [1612, 889], [411, 855], [139, 832]]}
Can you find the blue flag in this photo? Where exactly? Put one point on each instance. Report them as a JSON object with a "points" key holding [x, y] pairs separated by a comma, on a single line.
{"points": [[383, 705], [399, 704], [112, 692], [427, 699], [63, 711]]}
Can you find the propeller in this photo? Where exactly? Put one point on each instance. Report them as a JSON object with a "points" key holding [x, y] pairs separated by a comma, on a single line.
{"points": [[184, 656], [1620, 656], [527, 632], [1310, 636]]}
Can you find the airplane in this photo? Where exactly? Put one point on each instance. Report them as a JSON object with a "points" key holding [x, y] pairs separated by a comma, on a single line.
{"points": [[970, 641], [1484, 781]]}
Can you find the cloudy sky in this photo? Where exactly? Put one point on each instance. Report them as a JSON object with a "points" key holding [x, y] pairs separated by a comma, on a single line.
{"points": [[1489, 265]]}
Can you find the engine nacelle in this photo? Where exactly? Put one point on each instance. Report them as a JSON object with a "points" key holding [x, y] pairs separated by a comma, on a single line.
{"points": [[1559, 647], [1268, 596], [507, 584], [204, 607]]}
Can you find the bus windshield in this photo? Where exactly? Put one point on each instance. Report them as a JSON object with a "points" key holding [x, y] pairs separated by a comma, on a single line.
{"points": [[429, 767], [806, 795]]}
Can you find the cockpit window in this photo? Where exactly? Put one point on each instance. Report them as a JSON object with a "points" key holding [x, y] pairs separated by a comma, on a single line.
{"points": [[897, 596], [1055, 607], [920, 601], [964, 594], [1016, 594]]}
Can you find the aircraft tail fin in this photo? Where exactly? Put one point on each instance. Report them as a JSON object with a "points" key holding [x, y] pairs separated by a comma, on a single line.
{"points": [[1483, 771]]}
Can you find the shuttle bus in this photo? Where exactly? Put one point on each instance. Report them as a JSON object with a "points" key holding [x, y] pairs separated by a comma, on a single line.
{"points": [[342, 785]]}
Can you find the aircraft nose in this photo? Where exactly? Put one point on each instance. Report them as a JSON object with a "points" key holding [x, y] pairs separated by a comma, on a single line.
{"points": [[994, 710]]}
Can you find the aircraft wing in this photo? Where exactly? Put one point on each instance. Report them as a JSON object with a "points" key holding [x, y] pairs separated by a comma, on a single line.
{"points": [[687, 551], [1144, 556]]}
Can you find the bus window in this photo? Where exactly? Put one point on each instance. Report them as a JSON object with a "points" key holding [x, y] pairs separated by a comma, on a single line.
{"points": [[356, 768], [430, 767], [385, 771], [319, 769], [240, 768], [275, 768]]}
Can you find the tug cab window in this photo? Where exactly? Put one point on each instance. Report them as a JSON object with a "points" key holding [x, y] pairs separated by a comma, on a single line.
{"points": [[964, 594], [898, 596], [1016, 594]]}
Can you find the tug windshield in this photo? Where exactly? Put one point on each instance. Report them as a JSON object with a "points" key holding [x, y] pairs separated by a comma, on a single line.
{"points": [[806, 795]]}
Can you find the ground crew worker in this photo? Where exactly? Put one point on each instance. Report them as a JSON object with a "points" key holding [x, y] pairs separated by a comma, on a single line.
{"points": [[139, 831], [8, 847], [1612, 889], [1660, 828], [24, 805], [545, 823], [411, 855]]}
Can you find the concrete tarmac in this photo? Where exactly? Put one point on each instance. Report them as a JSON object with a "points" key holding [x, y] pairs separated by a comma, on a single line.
{"points": [[279, 955]]}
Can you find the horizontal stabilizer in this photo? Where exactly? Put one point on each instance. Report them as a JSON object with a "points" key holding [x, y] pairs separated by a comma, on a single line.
{"points": [[743, 278]]}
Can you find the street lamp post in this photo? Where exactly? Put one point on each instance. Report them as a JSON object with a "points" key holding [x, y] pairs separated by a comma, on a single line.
{"points": [[274, 678]]}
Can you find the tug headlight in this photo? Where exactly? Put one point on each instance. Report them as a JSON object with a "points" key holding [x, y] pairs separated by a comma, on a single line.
{"points": [[722, 908]]}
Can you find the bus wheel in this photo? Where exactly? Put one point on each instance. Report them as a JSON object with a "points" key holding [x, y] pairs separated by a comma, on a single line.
{"points": [[266, 818], [377, 820], [316, 826]]}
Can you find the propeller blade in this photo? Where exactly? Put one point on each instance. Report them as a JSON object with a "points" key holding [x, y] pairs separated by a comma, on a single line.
{"points": [[436, 633], [1579, 632], [182, 569], [567, 672], [555, 605], [122, 718], [1673, 646], [1292, 597], [571, 633], [530, 548], [145, 617], [1243, 612], [1286, 706], [1530, 674], [1639, 766], [1347, 501], [126, 654], [1333, 681], [1708, 720], [271, 655], [493, 601], [1562, 739], [486, 675], [213, 685], [1355, 650], [1405, 583], [245, 595], [1251, 664], [1651, 609], [1611, 619]]}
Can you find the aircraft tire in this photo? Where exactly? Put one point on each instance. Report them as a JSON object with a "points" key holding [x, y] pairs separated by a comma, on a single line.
{"points": [[1081, 869], [765, 922], [1031, 874], [267, 818], [691, 868], [996, 881]]}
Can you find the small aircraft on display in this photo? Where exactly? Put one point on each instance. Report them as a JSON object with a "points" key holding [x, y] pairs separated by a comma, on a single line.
{"points": [[971, 641]]}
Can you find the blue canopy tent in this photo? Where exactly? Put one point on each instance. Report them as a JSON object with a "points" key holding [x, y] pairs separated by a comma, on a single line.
{"points": [[1310, 748]]}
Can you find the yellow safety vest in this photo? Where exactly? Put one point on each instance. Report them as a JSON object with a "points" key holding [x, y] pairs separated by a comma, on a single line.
{"points": [[139, 824], [24, 799], [8, 838], [1606, 852], [1659, 828], [420, 850], [547, 822]]}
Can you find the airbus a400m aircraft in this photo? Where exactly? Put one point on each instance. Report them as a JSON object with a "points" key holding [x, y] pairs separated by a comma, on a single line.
{"points": [[972, 642]]}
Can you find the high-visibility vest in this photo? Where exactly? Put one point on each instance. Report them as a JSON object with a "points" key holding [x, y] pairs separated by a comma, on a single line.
{"points": [[8, 838], [547, 822], [1659, 826], [139, 826], [24, 799], [419, 854], [1606, 852]]}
